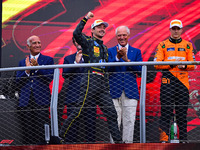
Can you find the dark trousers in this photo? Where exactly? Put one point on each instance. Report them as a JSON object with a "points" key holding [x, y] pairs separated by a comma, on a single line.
{"points": [[174, 95], [76, 134], [32, 118], [94, 91]]}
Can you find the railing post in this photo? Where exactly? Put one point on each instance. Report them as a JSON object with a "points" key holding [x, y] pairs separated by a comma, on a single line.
{"points": [[54, 102], [142, 105]]}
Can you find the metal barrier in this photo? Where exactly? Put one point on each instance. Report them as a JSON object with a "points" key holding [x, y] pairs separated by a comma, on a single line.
{"points": [[147, 122]]}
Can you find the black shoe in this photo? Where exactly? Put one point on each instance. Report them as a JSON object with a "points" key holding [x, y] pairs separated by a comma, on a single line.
{"points": [[164, 141], [56, 140], [119, 142], [184, 141]]}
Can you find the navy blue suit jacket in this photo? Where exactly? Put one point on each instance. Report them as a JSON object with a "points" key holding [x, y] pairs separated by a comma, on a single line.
{"points": [[123, 79], [38, 81], [74, 77]]}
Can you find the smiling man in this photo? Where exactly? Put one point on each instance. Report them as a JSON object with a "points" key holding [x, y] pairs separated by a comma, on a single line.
{"points": [[94, 83], [174, 92], [34, 95], [123, 85]]}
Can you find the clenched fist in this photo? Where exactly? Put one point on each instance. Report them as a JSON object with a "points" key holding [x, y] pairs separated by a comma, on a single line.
{"points": [[89, 15]]}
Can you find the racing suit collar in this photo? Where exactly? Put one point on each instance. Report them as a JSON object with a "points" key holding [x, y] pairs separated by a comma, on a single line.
{"points": [[98, 41], [175, 40]]}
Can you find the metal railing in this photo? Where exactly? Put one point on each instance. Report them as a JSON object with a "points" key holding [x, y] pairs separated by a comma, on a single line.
{"points": [[54, 96]]}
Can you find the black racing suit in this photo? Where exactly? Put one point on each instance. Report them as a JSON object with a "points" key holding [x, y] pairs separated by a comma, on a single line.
{"points": [[94, 88]]}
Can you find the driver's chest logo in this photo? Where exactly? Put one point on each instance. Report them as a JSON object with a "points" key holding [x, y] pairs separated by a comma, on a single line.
{"points": [[96, 51]]}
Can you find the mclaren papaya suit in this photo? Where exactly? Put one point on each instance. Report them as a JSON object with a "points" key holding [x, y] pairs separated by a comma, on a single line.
{"points": [[174, 92]]}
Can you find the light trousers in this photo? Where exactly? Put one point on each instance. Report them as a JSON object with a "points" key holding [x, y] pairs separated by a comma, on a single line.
{"points": [[126, 112]]}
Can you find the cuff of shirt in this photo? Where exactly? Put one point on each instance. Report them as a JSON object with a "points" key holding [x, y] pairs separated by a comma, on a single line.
{"points": [[116, 58], [28, 74]]}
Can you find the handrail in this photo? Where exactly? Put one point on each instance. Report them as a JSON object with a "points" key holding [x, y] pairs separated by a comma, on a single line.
{"points": [[100, 64]]}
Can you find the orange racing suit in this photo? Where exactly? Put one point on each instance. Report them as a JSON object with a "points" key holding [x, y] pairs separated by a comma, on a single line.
{"points": [[174, 91], [171, 50]]}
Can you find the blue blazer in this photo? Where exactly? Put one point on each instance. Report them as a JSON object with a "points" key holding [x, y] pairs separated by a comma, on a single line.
{"points": [[38, 81], [123, 79], [74, 77]]}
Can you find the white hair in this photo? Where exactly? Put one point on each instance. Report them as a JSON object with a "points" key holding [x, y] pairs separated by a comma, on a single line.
{"points": [[29, 40], [127, 29]]}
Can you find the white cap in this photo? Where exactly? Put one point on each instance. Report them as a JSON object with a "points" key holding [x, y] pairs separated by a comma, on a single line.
{"points": [[176, 23], [98, 22]]}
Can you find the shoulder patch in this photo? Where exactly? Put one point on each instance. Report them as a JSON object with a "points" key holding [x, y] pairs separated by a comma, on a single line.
{"points": [[163, 44], [188, 46]]}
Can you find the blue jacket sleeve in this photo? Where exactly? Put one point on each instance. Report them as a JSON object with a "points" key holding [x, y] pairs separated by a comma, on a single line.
{"points": [[67, 72], [111, 56]]}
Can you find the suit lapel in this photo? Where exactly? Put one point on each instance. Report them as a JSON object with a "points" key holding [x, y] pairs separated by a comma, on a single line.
{"points": [[40, 59], [73, 58], [130, 52]]}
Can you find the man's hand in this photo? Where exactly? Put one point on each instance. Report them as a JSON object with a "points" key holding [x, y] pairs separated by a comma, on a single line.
{"points": [[78, 56], [34, 62], [89, 15], [125, 58], [27, 61], [119, 53], [122, 53], [180, 66], [28, 64]]}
